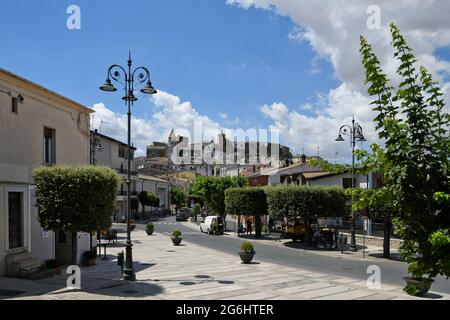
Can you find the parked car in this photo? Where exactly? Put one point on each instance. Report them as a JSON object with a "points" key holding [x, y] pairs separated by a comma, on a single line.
{"points": [[183, 214], [213, 224]]}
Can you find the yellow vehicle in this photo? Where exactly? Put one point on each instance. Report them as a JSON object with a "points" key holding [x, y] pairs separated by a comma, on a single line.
{"points": [[295, 230]]}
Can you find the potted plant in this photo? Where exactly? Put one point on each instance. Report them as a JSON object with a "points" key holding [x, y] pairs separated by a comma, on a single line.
{"points": [[132, 225], [417, 284], [53, 265], [150, 228], [176, 238], [90, 258], [247, 252]]}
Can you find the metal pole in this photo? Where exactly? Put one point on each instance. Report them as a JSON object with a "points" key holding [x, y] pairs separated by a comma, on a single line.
{"points": [[353, 235], [128, 270]]}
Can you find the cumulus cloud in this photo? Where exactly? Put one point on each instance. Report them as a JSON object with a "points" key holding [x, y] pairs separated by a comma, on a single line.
{"points": [[332, 29], [170, 113], [310, 133]]}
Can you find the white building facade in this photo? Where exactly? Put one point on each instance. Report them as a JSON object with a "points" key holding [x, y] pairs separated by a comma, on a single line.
{"points": [[37, 128]]}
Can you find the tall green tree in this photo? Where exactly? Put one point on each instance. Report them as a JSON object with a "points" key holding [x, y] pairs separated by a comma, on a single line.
{"points": [[178, 197], [147, 199], [306, 203], [415, 160], [212, 190], [247, 202], [379, 206], [76, 199]]}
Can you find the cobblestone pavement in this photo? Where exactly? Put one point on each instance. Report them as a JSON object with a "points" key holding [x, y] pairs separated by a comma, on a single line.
{"points": [[195, 272]]}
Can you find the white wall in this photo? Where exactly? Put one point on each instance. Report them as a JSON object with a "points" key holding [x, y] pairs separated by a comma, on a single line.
{"points": [[21, 150]]}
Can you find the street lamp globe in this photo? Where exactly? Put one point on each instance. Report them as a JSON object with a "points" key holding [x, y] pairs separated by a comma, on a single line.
{"points": [[108, 86], [148, 89]]}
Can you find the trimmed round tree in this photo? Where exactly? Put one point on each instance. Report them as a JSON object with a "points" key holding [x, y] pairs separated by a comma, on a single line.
{"points": [[247, 202], [75, 199], [147, 199], [306, 203]]}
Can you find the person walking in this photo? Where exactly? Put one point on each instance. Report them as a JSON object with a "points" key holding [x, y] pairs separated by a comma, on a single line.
{"points": [[249, 227]]}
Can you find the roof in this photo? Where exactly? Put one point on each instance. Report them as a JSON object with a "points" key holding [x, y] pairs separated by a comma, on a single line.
{"points": [[318, 175], [111, 139], [151, 178], [71, 102]]}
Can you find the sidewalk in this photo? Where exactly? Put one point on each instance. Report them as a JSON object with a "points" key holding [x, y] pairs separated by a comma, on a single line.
{"points": [[194, 272]]}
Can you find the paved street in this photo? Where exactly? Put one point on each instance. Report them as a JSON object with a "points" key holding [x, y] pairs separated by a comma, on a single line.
{"points": [[197, 271], [347, 265]]}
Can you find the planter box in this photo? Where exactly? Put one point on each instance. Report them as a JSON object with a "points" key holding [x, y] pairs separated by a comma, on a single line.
{"points": [[423, 286], [176, 241], [246, 257]]}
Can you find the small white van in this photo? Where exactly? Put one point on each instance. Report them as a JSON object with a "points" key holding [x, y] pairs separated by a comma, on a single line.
{"points": [[210, 221]]}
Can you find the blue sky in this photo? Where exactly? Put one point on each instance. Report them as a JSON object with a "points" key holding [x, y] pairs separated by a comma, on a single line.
{"points": [[219, 57], [256, 61]]}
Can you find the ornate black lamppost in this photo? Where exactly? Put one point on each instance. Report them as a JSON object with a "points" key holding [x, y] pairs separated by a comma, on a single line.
{"points": [[128, 80], [355, 132]]}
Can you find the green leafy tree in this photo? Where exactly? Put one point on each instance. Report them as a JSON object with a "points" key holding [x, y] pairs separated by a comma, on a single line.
{"points": [[379, 206], [75, 199], [247, 202], [306, 203], [178, 197], [212, 190], [147, 199], [415, 160]]}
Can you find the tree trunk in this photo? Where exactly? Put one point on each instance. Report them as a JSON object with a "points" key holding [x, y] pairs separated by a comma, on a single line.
{"points": [[387, 239], [143, 212], [74, 248], [308, 232], [258, 226]]}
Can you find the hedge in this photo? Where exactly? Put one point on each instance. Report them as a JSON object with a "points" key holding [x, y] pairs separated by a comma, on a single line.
{"points": [[75, 198], [247, 202], [306, 202]]}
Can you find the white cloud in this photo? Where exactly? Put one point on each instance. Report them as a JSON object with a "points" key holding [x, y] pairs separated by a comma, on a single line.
{"points": [[332, 29], [306, 133], [170, 113]]}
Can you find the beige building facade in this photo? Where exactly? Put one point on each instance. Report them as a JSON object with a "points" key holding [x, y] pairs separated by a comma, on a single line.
{"points": [[38, 127]]}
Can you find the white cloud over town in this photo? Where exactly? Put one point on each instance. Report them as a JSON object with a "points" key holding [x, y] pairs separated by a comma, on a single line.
{"points": [[332, 29], [170, 112]]}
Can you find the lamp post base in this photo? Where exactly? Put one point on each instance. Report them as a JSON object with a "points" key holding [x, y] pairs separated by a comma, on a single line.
{"points": [[128, 271], [353, 246]]}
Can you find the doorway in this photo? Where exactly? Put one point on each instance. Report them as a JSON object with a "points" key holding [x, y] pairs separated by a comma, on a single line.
{"points": [[15, 220]]}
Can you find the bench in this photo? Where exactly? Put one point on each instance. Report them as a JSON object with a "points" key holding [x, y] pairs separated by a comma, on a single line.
{"points": [[111, 235], [277, 236]]}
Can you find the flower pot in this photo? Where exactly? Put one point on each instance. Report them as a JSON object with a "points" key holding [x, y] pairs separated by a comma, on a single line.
{"points": [[246, 257], [176, 241], [422, 286], [133, 227], [149, 232]]}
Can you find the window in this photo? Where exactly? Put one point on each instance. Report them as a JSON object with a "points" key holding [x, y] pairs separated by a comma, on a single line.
{"points": [[49, 146], [347, 183], [122, 151], [15, 105]]}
